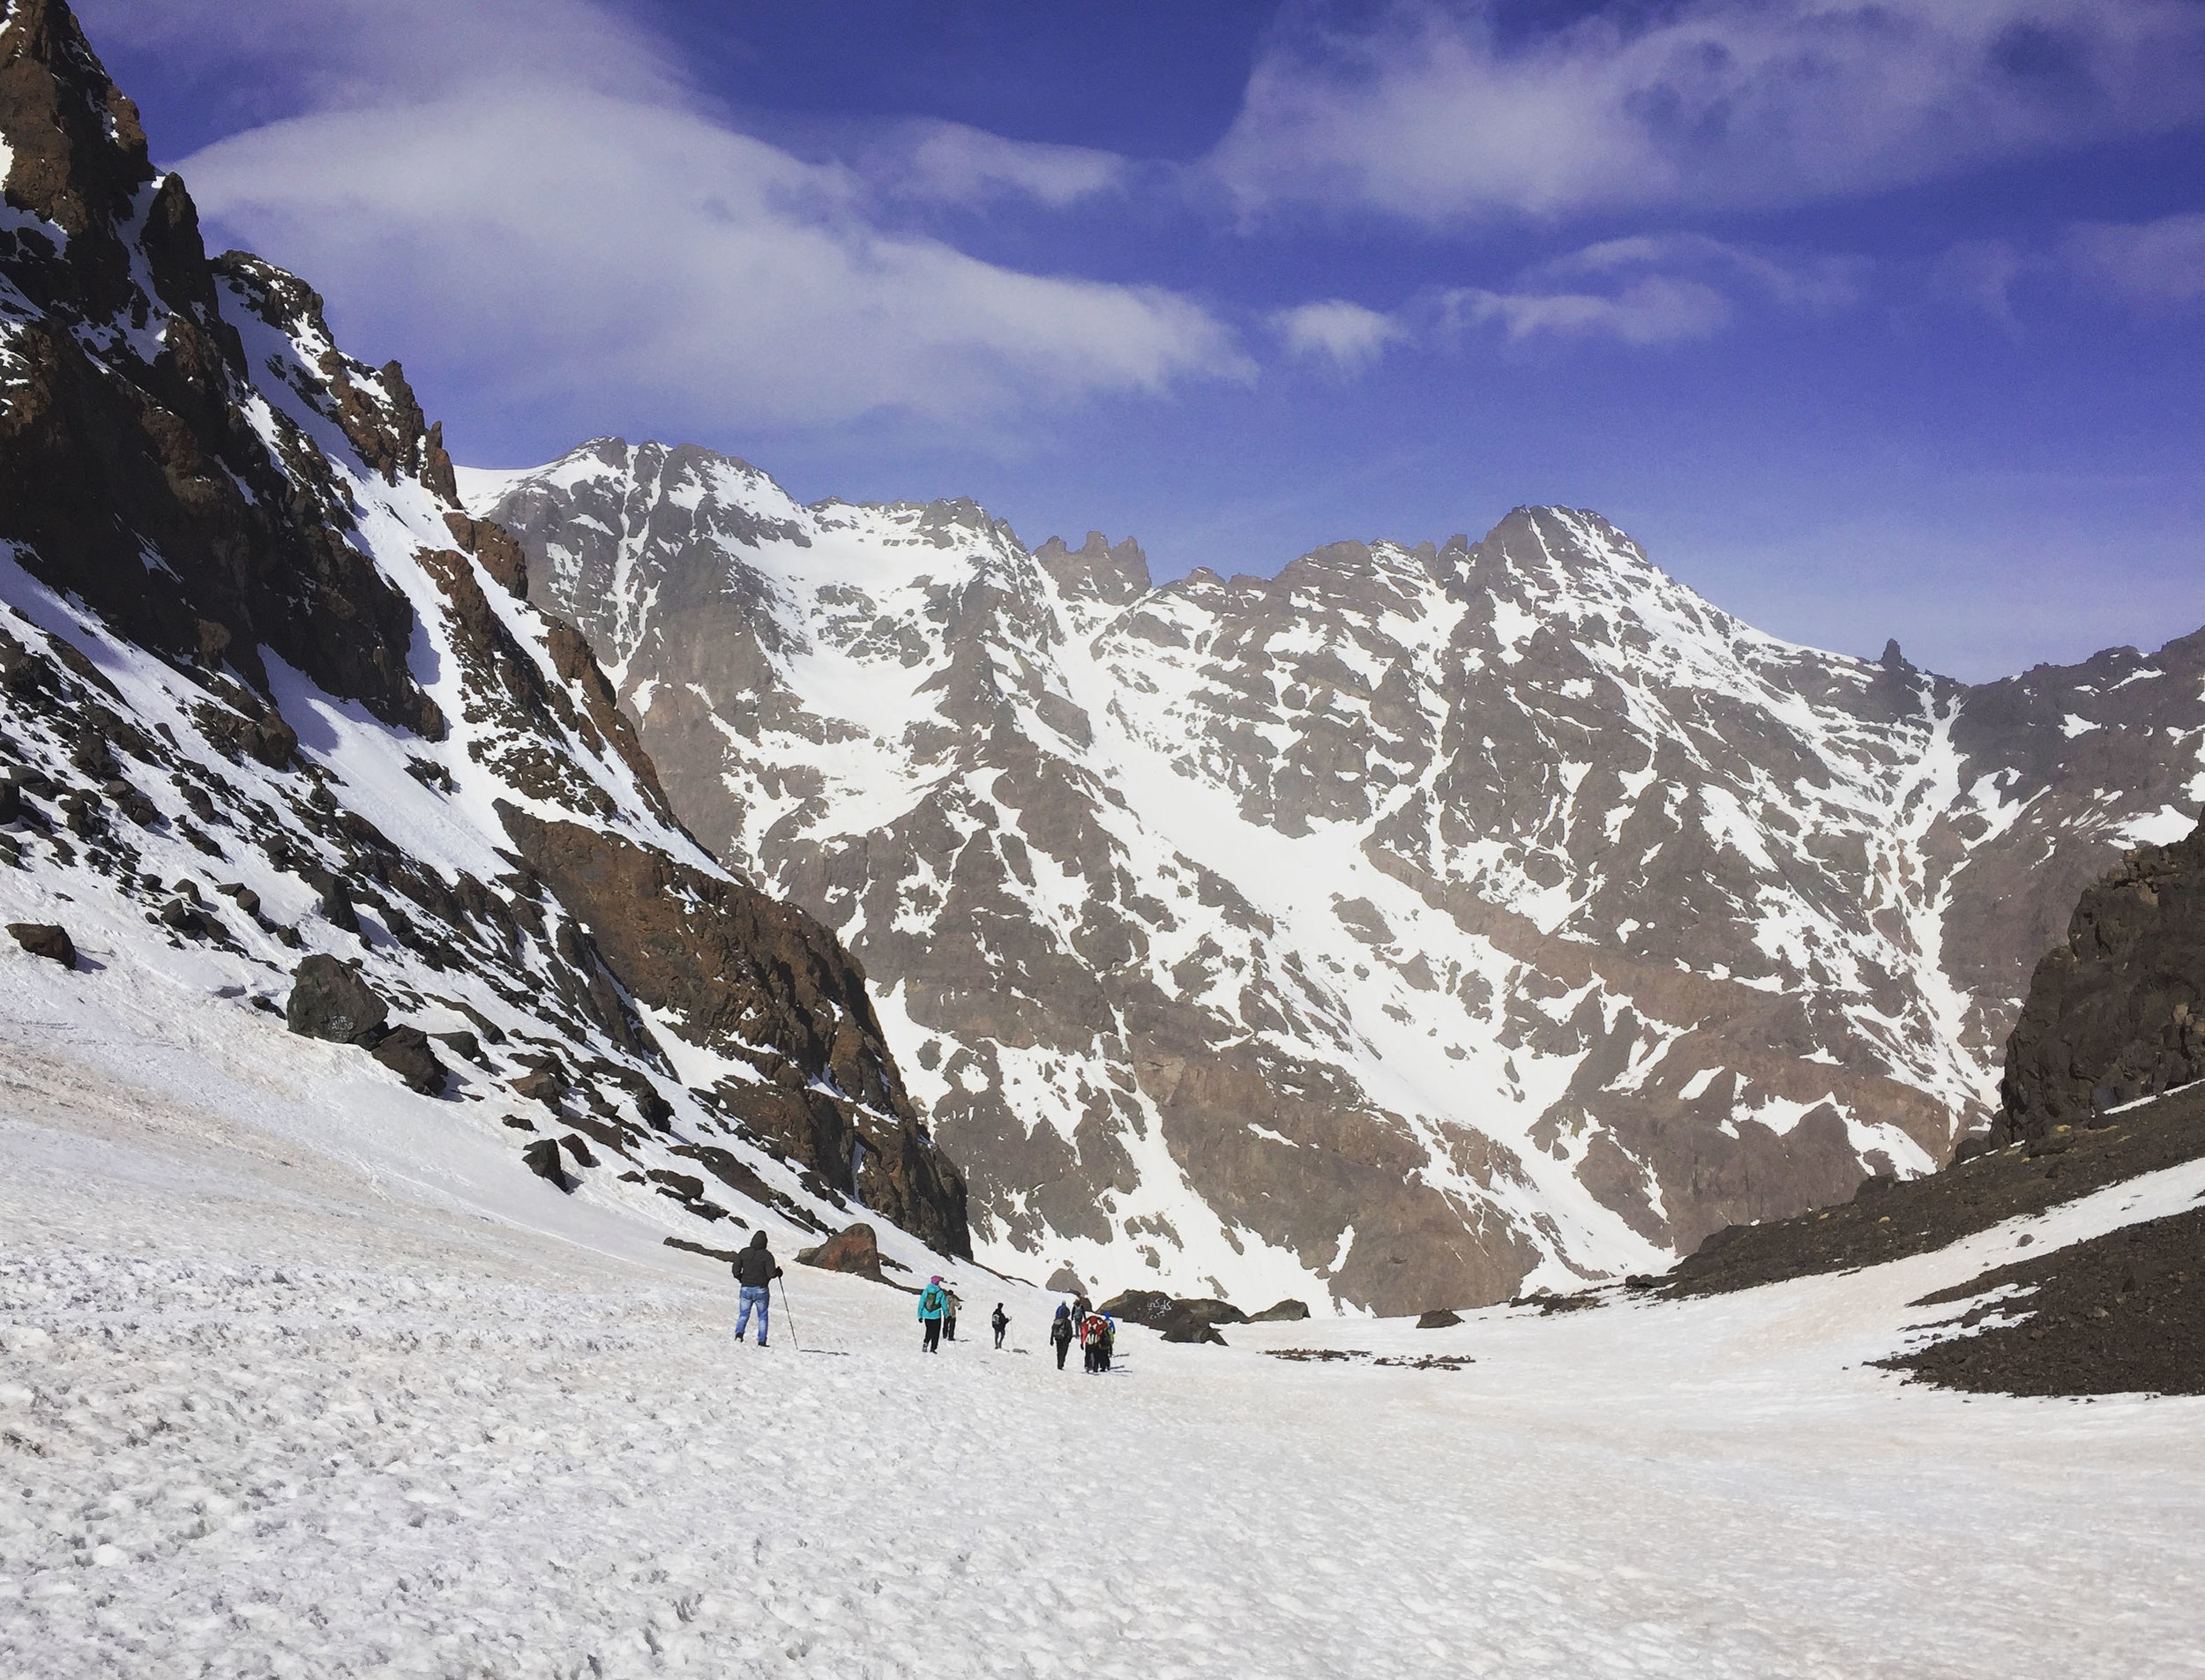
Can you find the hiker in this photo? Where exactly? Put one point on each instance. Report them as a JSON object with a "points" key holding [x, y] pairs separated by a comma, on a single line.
{"points": [[1002, 1322], [1060, 1332], [949, 1315], [754, 1270], [1091, 1332], [1109, 1342], [933, 1303]]}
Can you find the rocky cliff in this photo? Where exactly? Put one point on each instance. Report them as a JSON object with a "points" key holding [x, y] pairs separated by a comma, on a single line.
{"points": [[2113, 1012], [1425, 920], [268, 692]]}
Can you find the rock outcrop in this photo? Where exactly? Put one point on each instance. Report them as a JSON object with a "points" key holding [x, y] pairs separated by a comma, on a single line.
{"points": [[2116, 1012]]}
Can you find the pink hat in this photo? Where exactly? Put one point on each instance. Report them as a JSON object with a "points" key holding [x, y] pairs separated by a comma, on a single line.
{"points": [[936, 1278]]}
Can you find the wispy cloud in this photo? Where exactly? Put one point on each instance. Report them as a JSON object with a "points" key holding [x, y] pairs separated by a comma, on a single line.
{"points": [[2154, 265], [1656, 289], [1347, 335], [2153, 268], [531, 193], [1440, 113], [952, 163], [1655, 310]]}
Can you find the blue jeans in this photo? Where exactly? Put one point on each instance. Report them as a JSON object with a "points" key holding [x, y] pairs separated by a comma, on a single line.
{"points": [[752, 1297]]}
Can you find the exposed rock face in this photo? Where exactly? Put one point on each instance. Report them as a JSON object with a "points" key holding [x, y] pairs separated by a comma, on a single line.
{"points": [[2117, 1011], [248, 633], [330, 1000], [1284, 1312], [763, 983], [1417, 920]]}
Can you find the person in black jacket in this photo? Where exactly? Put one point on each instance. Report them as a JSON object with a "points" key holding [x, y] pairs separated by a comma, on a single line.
{"points": [[1001, 1321], [1061, 1332], [754, 1270]]}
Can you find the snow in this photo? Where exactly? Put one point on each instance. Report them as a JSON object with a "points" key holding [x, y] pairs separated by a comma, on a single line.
{"points": [[2161, 827], [264, 1410]]}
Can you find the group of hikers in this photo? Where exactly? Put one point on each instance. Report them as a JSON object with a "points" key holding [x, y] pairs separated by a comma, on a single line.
{"points": [[1076, 1320], [1096, 1333]]}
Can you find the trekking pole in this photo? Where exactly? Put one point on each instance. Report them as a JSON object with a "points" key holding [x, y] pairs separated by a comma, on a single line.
{"points": [[794, 1341]]}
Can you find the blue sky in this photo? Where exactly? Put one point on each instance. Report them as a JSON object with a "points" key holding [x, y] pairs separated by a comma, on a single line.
{"points": [[1866, 320]]}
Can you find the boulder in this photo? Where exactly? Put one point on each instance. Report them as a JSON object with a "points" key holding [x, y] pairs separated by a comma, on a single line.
{"points": [[854, 1249], [1064, 1280], [44, 939], [683, 1187], [405, 1051], [1159, 1310], [1286, 1312], [1210, 1311], [584, 1156], [542, 1158], [540, 1084], [1140, 1307], [463, 1044], [329, 1000], [1186, 1329], [1438, 1318]]}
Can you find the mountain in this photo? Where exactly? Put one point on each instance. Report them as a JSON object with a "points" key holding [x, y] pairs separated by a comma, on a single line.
{"points": [[1418, 925], [288, 752]]}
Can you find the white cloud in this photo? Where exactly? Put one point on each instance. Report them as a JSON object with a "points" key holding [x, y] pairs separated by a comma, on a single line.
{"points": [[952, 163], [1655, 310], [560, 239], [525, 192], [2154, 264], [1655, 288], [1437, 113], [1347, 335], [2155, 267]]}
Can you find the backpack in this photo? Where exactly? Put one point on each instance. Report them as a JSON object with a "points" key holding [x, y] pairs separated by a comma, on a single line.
{"points": [[1091, 1332]]}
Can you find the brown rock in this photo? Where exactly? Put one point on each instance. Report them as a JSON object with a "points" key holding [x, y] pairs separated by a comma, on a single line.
{"points": [[329, 1000], [543, 1158], [854, 1249], [2117, 1011], [744, 974], [1438, 1318], [44, 939], [405, 1051]]}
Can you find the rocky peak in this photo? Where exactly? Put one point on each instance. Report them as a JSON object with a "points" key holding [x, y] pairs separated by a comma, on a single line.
{"points": [[1097, 570]]}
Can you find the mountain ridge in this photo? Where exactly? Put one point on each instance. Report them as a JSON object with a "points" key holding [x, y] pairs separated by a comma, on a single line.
{"points": [[895, 715]]}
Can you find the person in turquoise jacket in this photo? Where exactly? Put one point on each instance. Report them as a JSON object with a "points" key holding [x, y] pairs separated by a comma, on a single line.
{"points": [[933, 1303]]}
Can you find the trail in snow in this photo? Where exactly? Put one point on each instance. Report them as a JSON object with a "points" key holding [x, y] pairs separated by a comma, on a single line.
{"points": [[260, 1413]]}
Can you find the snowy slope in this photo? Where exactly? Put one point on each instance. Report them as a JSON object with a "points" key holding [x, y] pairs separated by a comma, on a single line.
{"points": [[268, 694], [1422, 920], [262, 1413]]}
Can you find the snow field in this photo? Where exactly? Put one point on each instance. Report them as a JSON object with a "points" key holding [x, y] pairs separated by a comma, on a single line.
{"points": [[265, 1412]]}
